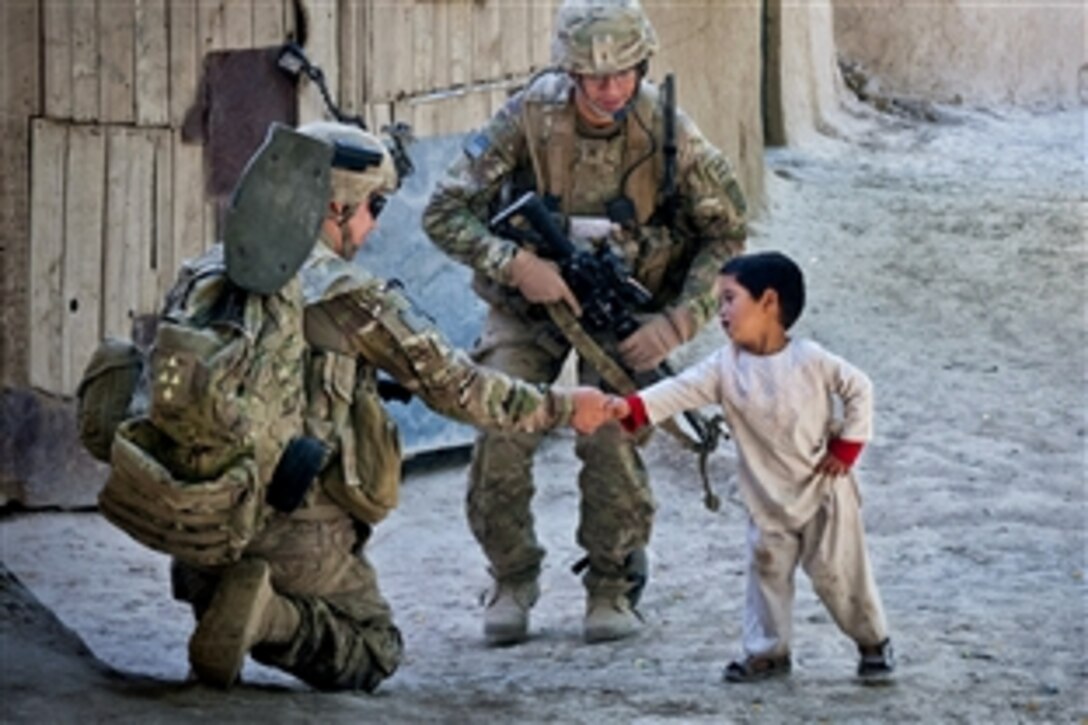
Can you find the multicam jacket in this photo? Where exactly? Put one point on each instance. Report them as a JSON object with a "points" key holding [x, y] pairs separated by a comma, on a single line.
{"points": [[370, 320], [537, 142]]}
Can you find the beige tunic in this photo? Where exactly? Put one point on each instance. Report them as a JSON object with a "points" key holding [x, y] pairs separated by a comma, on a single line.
{"points": [[781, 410]]}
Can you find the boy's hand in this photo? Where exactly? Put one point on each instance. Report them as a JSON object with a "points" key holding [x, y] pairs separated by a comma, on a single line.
{"points": [[590, 409], [618, 407], [840, 456], [832, 466]]}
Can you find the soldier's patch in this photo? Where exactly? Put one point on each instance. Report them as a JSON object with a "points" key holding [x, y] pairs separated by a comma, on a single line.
{"points": [[411, 312], [476, 145], [718, 168], [721, 172], [737, 197]]}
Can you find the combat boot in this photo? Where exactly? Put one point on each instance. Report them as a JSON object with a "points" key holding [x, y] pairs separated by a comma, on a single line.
{"points": [[245, 611], [610, 616], [506, 619]]}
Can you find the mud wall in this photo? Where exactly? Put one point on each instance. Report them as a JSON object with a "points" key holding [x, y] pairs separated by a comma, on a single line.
{"points": [[714, 50], [997, 52], [801, 77]]}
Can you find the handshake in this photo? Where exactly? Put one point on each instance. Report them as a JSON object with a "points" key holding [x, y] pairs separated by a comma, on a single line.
{"points": [[592, 408]]}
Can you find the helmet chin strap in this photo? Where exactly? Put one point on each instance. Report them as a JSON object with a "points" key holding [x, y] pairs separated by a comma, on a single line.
{"points": [[345, 239], [341, 220]]}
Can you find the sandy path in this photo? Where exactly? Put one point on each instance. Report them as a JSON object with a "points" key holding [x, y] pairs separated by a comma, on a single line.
{"points": [[946, 260]]}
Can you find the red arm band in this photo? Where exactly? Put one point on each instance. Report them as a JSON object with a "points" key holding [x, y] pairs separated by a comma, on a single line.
{"points": [[846, 451], [637, 417]]}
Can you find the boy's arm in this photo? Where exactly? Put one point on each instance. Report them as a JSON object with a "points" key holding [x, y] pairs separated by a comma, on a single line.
{"points": [[840, 457], [693, 388], [855, 390], [630, 411]]}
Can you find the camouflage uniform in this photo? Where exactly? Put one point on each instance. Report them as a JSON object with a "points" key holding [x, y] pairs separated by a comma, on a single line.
{"points": [[538, 142], [346, 638], [333, 629]]}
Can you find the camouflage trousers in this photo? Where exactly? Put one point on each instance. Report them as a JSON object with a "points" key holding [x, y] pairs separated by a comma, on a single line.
{"points": [[617, 508], [346, 639]]}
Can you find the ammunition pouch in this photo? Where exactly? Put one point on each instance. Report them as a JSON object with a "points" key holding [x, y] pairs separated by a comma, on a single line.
{"points": [[366, 484], [196, 371], [203, 523], [106, 394]]}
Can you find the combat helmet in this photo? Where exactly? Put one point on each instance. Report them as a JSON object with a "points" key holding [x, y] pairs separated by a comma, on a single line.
{"points": [[284, 195], [361, 164], [595, 37]]}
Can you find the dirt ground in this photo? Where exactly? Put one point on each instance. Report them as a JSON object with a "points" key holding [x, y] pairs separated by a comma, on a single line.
{"points": [[948, 260]]}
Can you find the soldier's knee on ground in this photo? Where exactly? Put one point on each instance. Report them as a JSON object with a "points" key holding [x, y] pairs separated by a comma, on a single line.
{"points": [[371, 659], [386, 648], [333, 652]]}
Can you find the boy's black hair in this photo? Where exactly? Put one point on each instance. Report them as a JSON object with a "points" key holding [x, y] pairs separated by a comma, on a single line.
{"points": [[760, 271]]}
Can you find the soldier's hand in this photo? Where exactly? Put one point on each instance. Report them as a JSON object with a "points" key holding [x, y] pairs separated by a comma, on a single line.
{"points": [[648, 346], [591, 409], [539, 280]]}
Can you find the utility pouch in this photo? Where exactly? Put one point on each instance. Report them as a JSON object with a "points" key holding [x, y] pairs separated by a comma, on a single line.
{"points": [[106, 393], [204, 523], [367, 483]]}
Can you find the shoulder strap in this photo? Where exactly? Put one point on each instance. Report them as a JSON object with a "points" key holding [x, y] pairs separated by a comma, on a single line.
{"points": [[549, 122], [644, 149]]}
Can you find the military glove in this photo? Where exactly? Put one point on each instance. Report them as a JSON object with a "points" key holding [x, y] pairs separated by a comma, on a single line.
{"points": [[539, 281], [648, 346]]}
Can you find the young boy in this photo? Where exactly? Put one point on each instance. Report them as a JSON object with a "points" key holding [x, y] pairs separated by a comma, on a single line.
{"points": [[778, 396]]}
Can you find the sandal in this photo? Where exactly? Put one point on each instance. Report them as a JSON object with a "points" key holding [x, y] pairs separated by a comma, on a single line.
{"points": [[876, 663], [754, 669]]}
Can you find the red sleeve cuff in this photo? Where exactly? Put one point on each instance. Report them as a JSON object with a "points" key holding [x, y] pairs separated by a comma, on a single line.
{"points": [[637, 418], [846, 451]]}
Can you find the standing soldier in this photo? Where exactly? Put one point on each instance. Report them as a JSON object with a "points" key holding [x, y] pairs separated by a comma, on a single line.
{"points": [[595, 139]]}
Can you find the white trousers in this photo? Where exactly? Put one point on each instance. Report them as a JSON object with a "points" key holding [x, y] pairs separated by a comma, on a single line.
{"points": [[830, 547]]}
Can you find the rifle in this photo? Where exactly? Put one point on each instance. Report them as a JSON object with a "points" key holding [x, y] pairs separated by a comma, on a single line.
{"points": [[605, 289], [608, 294]]}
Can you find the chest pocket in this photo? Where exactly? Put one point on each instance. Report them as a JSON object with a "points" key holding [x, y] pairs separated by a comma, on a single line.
{"points": [[225, 396], [366, 484]]}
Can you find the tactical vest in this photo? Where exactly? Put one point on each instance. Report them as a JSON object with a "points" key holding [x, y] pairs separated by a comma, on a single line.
{"points": [[659, 257], [549, 118], [225, 397]]}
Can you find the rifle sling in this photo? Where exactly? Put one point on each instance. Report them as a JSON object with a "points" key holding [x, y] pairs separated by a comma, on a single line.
{"points": [[618, 379]]}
